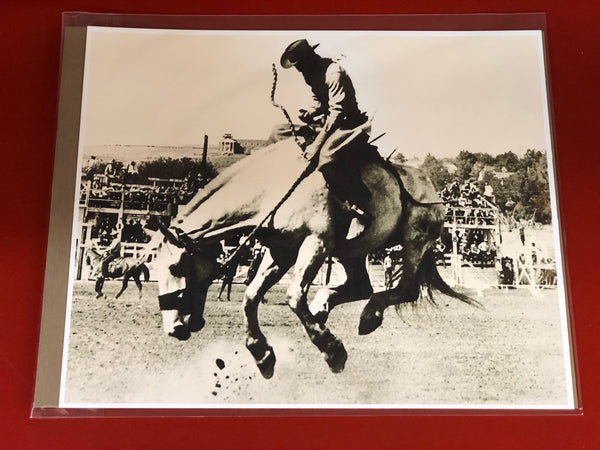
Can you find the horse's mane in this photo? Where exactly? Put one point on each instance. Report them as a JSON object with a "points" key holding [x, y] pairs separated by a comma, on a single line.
{"points": [[245, 192], [257, 161]]}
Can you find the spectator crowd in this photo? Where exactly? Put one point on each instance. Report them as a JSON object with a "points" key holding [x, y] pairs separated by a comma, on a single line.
{"points": [[468, 204]]}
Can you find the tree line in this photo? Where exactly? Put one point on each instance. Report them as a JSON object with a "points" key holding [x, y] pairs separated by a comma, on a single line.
{"points": [[521, 187], [175, 168]]}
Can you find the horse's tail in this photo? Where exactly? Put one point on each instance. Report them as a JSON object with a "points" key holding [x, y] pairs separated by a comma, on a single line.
{"points": [[431, 278], [145, 271]]}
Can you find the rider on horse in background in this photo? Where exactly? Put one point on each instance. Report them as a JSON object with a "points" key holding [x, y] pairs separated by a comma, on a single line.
{"points": [[113, 251], [342, 143]]}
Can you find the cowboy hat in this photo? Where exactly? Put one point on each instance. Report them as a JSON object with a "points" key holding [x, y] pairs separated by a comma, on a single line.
{"points": [[295, 52]]}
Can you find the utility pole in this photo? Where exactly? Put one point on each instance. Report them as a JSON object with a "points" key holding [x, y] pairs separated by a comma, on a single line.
{"points": [[204, 154]]}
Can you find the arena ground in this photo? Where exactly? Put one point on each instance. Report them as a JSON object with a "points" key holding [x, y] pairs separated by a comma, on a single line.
{"points": [[454, 354]]}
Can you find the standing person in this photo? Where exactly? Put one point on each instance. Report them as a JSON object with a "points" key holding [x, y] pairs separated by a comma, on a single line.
{"points": [[522, 231], [488, 192], [228, 276], [438, 250], [257, 256], [341, 145], [388, 267]]}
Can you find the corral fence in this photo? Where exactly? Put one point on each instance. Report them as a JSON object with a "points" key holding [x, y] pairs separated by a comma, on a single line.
{"points": [[461, 273]]}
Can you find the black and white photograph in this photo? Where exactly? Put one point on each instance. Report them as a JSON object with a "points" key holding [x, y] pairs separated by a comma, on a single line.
{"points": [[316, 219]]}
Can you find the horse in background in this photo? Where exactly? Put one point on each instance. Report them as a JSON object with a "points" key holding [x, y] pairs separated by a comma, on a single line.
{"points": [[125, 267]]}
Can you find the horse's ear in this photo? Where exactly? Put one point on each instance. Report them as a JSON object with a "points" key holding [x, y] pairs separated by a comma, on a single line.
{"points": [[169, 236]]}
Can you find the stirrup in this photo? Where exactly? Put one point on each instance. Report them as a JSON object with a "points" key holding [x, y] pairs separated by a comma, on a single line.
{"points": [[364, 217], [357, 212]]}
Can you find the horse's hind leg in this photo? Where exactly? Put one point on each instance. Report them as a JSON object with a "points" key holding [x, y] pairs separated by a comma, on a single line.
{"points": [[310, 258], [98, 286], [269, 273], [123, 286], [356, 287], [407, 290], [138, 283]]}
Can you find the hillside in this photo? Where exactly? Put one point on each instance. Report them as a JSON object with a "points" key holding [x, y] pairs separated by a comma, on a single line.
{"points": [[127, 153]]}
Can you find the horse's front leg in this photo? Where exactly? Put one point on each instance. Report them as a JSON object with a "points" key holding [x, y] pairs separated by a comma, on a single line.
{"points": [[98, 286], [195, 301], [123, 286], [269, 273], [310, 258]]}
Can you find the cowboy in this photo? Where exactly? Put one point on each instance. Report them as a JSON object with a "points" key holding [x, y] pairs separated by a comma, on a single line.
{"points": [[341, 145], [113, 251]]}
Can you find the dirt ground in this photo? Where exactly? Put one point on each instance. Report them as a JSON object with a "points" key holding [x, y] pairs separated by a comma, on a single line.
{"points": [[452, 354]]}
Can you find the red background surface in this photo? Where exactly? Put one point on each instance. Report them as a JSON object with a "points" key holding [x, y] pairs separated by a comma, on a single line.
{"points": [[30, 50]]}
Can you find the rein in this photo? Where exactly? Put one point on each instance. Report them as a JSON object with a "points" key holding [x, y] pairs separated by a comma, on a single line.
{"points": [[307, 171]]}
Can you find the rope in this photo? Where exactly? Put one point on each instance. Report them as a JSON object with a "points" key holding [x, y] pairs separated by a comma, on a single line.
{"points": [[307, 171], [285, 113]]}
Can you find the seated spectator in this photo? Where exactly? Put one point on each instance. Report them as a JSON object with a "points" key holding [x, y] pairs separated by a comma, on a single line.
{"points": [[488, 193]]}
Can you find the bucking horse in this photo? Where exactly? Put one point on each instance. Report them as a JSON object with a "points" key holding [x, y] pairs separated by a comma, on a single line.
{"points": [[119, 267], [307, 228]]}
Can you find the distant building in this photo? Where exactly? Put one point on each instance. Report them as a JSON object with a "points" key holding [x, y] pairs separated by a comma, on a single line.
{"points": [[230, 146], [499, 174]]}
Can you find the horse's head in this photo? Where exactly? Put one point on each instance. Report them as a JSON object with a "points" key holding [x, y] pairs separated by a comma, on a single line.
{"points": [[197, 263], [93, 260], [92, 257], [184, 276]]}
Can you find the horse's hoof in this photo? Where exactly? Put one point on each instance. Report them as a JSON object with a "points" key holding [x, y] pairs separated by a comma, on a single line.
{"points": [[180, 332], [196, 324], [370, 320], [336, 356], [266, 364]]}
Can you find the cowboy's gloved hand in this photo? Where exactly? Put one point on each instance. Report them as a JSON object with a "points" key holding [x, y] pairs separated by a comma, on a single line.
{"points": [[312, 150], [305, 116]]}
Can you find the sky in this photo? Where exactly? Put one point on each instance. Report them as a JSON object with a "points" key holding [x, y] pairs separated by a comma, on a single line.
{"points": [[430, 92]]}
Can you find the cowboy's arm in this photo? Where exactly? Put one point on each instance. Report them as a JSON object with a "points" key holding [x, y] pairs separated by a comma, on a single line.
{"points": [[337, 95], [316, 109]]}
